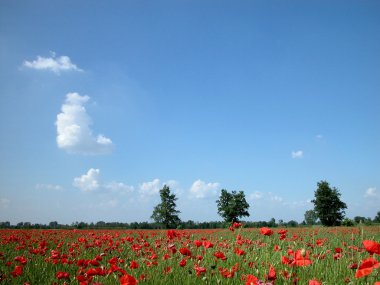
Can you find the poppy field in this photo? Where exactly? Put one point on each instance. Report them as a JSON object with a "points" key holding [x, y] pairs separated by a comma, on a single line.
{"points": [[223, 256]]}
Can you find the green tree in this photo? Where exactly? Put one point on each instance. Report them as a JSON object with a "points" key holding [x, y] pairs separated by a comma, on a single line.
{"points": [[377, 218], [311, 217], [165, 213], [232, 205], [327, 204]]}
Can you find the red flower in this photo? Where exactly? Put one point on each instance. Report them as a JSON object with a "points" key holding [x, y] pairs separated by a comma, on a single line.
{"points": [[17, 271], [266, 231], [239, 251], [366, 267], [207, 244], [134, 265], [127, 279], [251, 279], [197, 243], [185, 251], [302, 258], [271, 274], [182, 263], [199, 270], [372, 246], [62, 275], [220, 255], [314, 282]]}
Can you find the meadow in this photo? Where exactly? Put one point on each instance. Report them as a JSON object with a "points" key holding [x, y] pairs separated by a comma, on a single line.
{"points": [[319, 255]]}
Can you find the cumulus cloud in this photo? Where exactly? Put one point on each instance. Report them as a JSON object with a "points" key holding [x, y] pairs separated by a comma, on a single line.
{"points": [[297, 154], [49, 187], [53, 63], [201, 189], [73, 128], [150, 188], [91, 182], [88, 182], [371, 193]]}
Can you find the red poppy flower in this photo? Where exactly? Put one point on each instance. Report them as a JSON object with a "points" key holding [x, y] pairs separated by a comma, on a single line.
{"points": [[266, 231], [366, 267], [220, 255], [197, 243], [199, 270], [251, 279], [271, 274], [208, 244], [134, 265], [372, 246], [185, 251], [314, 282], [182, 263], [127, 279], [62, 275], [17, 271]]}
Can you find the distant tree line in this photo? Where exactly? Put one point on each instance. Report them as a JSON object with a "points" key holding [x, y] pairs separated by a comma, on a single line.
{"points": [[329, 210]]}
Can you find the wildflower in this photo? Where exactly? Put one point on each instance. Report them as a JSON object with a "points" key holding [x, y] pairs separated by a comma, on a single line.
{"points": [[127, 279], [266, 231], [371, 247], [366, 267]]}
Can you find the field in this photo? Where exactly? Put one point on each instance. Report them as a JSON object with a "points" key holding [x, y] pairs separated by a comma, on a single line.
{"points": [[229, 256]]}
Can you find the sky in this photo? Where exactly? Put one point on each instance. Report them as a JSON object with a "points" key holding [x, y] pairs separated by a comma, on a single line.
{"points": [[104, 102]]}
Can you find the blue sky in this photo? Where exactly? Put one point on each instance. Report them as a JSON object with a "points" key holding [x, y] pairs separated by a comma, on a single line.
{"points": [[102, 103]]}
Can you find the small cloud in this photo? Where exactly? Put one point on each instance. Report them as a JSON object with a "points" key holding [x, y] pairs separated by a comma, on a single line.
{"points": [[73, 128], [319, 136], [256, 195], [371, 193], [150, 188], [91, 182], [49, 187], [201, 189], [88, 182], [275, 198], [53, 63], [4, 203], [297, 154], [119, 187]]}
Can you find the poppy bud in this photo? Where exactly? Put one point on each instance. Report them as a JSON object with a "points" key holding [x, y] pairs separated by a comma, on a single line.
{"points": [[303, 252]]}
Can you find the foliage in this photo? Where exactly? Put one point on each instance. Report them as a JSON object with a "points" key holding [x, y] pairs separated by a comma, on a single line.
{"points": [[348, 222], [377, 218], [232, 205], [311, 217], [165, 213], [327, 204]]}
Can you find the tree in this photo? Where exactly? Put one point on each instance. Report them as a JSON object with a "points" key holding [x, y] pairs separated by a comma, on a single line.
{"points": [[311, 217], [327, 204], [165, 213], [233, 205], [377, 218]]}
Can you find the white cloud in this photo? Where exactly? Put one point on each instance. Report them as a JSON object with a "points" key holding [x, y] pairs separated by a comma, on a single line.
{"points": [[53, 63], [4, 203], [118, 187], [297, 154], [88, 182], [73, 128], [150, 188], [49, 187], [256, 195], [275, 198], [91, 181], [201, 189], [371, 193]]}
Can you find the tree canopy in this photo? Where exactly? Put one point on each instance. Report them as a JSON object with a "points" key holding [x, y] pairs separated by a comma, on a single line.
{"points": [[232, 206], [165, 213], [327, 204]]}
